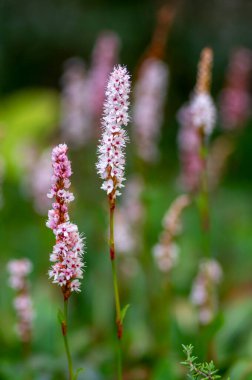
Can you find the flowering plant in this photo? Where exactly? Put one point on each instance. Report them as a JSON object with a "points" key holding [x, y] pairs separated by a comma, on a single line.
{"points": [[67, 268]]}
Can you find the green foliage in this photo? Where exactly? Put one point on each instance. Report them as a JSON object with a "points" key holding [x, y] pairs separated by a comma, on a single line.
{"points": [[199, 371], [124, 311], [78, 371]]}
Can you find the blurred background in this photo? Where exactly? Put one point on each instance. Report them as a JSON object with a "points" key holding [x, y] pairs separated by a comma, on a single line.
{"points": [[55, 58]]}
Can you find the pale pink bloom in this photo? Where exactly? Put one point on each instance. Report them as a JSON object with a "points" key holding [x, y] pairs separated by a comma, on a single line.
{"points": [[235, 98], [25, 314], [124, 234], [166, 251], [149, 99], [212, 269], [132, 202], [69, 247], [203, 112], [111, 161], [75, 108], [36, 181], [189, 147], [108, 186], [197, 120], [129, 216], [22, 304], [203, 294], [199, 293], [18, 272], [172, 218], [206, 315], [166, 256], [75, 286]]}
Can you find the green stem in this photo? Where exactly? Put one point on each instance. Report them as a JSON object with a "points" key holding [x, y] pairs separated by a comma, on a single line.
{"points": [[204, 208], [64, 333], [119, 361], [116, 289]]}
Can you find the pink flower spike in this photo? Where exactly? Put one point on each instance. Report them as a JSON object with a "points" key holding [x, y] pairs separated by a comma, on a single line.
{"points": [[69, 247], [111, 161]]}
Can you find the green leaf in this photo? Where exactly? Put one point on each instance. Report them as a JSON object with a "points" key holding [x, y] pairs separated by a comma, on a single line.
{"points": [[77, 373], [124, 311]]}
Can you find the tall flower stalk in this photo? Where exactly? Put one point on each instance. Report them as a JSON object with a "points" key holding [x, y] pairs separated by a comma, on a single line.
{"points": [[67, 267], [203, 116], [111, 166], [197, 120]]}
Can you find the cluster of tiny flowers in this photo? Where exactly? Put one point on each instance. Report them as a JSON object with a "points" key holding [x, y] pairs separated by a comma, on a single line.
{"points": [[197, 120], [166, 251], [18, 271], [189, 145], [201, 105], [111, 160], [149, 97], [75, 112], [203, 112], [235, 99], [104, 57], [129, 217], [68, 250], [203, 293]]}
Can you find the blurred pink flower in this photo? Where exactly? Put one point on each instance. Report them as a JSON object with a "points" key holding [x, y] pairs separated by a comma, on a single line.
{"points": [[166, 251], [75, 108], [105, 56], [235, 98], [149, 99], [203, 112], [166, 256], [129, 216], [189, 146], [18, 272], [203, 294], [38, 181]]}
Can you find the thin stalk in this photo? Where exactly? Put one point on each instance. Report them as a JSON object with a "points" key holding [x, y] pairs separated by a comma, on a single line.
{"points": [[64, 333], [204, 207], [204, 211], [119, 360], [119, 324]]}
